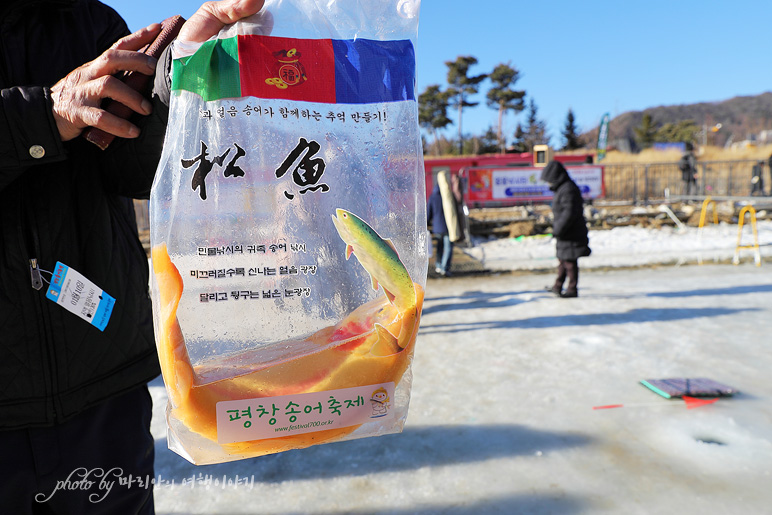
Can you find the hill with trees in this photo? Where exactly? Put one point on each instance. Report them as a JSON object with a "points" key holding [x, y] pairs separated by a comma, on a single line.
{"points": [[714, 123]]}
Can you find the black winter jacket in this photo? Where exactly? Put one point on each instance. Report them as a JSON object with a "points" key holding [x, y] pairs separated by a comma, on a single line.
{"points": [[687, 165], [435, 213], [569, 225], [71, 205]]}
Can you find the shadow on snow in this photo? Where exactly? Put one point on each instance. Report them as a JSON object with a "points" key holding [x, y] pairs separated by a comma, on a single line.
{"points": [[414, 448], [632, 316], [557, 503], [477, 300], [705, 292]]}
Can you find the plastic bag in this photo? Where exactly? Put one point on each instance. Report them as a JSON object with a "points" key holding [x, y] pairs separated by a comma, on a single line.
{"points": [[292, 146]]}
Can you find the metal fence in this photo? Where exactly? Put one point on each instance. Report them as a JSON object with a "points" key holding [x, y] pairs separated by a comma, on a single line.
{"points": [[652, 182]]}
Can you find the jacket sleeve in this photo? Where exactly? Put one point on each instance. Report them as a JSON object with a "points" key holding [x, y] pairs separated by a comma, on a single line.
{"points": [[130, 164], [28, 133]]}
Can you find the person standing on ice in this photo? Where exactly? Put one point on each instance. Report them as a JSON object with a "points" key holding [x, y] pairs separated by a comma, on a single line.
{"points": [[568, 227], [688, 167], [442, 214]]}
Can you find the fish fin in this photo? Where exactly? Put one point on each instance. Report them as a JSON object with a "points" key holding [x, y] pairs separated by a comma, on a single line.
{"points": [[349, 251], [389, 295], [375, 283], [386, 344], [391, 244]]}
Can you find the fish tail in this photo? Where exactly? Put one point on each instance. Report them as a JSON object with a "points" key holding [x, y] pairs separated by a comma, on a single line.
{"points": [[386, 344], [172, 352]]}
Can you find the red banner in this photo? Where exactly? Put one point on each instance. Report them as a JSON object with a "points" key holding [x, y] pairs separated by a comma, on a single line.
{"points": [[294, 69]]}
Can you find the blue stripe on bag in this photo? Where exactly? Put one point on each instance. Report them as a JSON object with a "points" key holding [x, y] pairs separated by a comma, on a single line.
{"points": [[369, 71]]}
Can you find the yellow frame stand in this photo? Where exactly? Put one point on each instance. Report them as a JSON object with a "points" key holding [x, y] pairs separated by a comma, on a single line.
{"points": [[705, 203], [755, 246]]}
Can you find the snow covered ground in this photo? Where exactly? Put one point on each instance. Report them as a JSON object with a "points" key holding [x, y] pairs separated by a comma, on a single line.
{"points": [[505, 379], [630, 246]]}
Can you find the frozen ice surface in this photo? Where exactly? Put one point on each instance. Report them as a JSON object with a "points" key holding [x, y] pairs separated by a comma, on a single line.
{"points": [[630, 246], [505, 379]]}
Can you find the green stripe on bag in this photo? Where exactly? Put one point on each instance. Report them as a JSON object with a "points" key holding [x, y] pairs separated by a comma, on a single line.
{"points": [[212, 72]]}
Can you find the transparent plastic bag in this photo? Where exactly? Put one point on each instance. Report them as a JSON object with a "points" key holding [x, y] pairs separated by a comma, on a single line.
{"points": [[292, 146]]}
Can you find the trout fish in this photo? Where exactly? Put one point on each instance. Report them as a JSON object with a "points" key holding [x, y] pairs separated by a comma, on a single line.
{"points": [[380, 259]]}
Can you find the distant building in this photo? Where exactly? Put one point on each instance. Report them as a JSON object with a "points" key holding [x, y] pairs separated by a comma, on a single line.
{"points": [[626, 145], [746, 143], [764, 136], [664, 147]]}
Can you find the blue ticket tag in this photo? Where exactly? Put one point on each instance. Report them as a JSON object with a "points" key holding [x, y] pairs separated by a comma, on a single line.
{"points": [[78, 295]]}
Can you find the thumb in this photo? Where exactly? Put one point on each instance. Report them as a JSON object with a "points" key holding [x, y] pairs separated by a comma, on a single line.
{"points": [[213, 16]]}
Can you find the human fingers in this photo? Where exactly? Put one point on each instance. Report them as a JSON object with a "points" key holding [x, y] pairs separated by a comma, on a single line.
{"points": [[76, 98], [124, 56], [77, 106], [213, 16], [113, 61], [138, 39], [111, 87], [111, 124]]}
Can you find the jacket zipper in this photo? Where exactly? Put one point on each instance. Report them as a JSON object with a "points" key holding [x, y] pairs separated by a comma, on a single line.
{"points": [[31, 241], [30, 237], [37, 280]]}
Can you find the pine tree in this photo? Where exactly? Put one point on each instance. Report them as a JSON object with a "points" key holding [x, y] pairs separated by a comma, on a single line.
{"points": [[461, 86], [501, 96], [535, 131], [646, 132], [487, 143], [684, 131], [570, 136], [518, 143], [433, 111]]}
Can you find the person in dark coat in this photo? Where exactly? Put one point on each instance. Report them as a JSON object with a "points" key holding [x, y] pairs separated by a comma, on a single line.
{"points": [[688, 167], [435, 217], [569, 227]]}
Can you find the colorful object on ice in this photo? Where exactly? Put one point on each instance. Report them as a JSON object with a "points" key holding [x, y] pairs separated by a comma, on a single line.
{"points": [[688, 389], [327, 71], [533, 237], [693, 387], [691, 403], [694, 402]]}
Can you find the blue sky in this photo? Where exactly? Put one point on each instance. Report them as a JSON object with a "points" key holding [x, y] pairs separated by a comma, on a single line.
{"points": [[592, 57]]}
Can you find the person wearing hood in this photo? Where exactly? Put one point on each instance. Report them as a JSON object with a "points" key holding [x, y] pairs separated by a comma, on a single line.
{"points": [[688, 167], [569, 227]]}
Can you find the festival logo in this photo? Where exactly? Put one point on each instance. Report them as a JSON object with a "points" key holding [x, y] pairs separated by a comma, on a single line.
{"points": [[380, 403], [289, 70]]}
